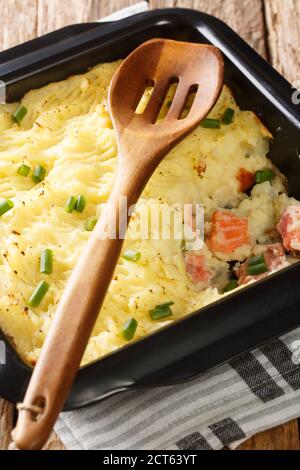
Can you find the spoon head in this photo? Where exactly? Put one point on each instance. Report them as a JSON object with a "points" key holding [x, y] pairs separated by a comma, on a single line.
{"points": [[161, 62]]}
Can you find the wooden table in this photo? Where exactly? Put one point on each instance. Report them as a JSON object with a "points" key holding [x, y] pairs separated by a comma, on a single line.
{"points": [[270, 26]]}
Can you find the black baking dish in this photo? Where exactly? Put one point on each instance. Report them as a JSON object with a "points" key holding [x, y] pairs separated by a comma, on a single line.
{"points": [[229, 326]]}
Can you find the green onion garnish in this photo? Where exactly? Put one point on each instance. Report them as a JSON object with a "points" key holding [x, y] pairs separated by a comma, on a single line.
{"points": [[257, 269], [5, 206], [38, 294], [232, 284], [211, 123], [19, 114], [90, 223], [228, 116], [256, 265], [39, 174], [24, 170], [264, 175], [132, 255], [165, 304], [256, 260], [80, 204], [70, 205], [161, 311], [46, 263], [129, 329]]}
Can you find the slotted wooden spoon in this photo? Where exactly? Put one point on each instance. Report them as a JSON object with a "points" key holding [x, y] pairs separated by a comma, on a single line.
{"points": [[142, 144]]}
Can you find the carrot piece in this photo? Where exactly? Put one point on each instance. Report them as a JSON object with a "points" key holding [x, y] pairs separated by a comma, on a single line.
{"points": [[246, 179], [228, 232]]}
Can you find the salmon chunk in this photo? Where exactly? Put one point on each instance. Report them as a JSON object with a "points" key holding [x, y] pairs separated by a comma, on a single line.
{"points": [[196, 268], [289, 228], [228, 232], [275, 256]]}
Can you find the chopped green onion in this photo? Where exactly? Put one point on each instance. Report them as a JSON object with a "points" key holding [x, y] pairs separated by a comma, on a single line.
{"points": [[161, 311], [228, 116], [90, 223], [264, 175], [257, 269], [256, 265], [232, 284], [80, 204], [5, 206], [24, 170], [19, 114], [168, 104], [129, 329], [256, 260], [70, 205], [46, 263], [39, 174], [211, 123], [38, 294], [132, 255], [165, 305]]}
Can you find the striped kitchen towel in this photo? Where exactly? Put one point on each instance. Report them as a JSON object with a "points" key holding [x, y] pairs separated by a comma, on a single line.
{"points": [[223, 407]]}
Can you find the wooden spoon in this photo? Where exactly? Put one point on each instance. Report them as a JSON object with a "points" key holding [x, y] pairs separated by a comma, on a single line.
{"points": [[142, 144]]}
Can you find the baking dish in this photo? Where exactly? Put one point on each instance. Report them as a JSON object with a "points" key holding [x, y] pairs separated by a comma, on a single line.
{"points": [[232, 325]]}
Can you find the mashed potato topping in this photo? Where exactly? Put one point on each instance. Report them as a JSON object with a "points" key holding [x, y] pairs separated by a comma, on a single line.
{"points": [[67, 130]]}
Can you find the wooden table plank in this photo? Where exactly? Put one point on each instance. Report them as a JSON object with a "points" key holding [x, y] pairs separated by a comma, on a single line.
{"points": [[285, 437], [282, 22], [250, 26], [6, 423], [74, 12], [18, 22]]}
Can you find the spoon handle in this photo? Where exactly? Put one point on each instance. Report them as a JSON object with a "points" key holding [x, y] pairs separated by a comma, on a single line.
{"points": [[72, 326]]}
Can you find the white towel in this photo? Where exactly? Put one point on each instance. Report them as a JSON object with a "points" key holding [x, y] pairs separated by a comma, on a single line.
{"points": [[223, 407]]}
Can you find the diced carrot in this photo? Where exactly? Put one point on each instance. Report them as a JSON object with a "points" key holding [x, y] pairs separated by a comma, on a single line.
{"points": [[195, 266], [246, 179], [289, 228], [228, 232]]}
